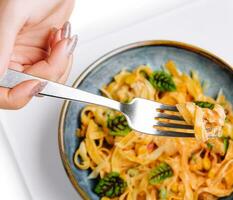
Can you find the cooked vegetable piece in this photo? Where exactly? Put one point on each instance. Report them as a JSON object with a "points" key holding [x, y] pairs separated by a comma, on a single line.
{"points": [[143, 73], [162, 194], [112, 185], [209, 145], [160, 173], [126, 101], [225, 144], [162, 81], [204, 104], [118, 126]]}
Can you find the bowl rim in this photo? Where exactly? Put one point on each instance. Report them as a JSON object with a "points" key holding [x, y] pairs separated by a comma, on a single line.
{"points": [[77, 82]]}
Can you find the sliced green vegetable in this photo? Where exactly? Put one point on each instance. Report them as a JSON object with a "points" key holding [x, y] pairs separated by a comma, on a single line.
{"points": [[162, 81], [112, 185], [126, 101], [160, 173], [143, 73], [118, 126], [225, 144], [162, 194], [209, 145], [204, 104]]}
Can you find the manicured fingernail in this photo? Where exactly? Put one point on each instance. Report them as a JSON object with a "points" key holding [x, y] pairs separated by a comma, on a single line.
{"points": [[66, 30], [38, 88], [72, 44]]}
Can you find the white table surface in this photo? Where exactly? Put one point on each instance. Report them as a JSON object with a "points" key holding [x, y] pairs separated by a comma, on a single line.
{"points": [[12, 185], [32, 131]]}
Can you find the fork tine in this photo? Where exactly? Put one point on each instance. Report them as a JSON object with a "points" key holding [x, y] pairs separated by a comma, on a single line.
{"points": [[168, 112], [173, 134], [174, 130], [165, 124], [168, 107], [167, 116]]}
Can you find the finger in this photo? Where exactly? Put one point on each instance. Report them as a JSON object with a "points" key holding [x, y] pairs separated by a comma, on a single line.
{"points": [[16, 66], [58, 35], [66, 30], [62, 52], [64, 77], [55, 65], [28, 55], [56, 38], [20, 95], [56, 58], [51, 38], [8, 31], [65, 33]]}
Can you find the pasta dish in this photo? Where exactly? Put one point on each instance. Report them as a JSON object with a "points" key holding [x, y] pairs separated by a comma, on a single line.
{"points": [[132, 166]]}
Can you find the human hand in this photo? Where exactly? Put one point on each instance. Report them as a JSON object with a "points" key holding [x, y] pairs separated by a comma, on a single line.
{"points": [[30, 43]]}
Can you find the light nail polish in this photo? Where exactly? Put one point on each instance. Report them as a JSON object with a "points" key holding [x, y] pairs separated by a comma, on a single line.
{"points": [[38, 88], [72, 44], [66, 30]]}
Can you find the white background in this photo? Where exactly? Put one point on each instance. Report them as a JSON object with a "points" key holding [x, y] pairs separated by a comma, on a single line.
{"points": [[102, 26]]}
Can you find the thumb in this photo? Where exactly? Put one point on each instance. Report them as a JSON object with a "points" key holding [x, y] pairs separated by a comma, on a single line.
{"points": [[10, 24], [20, 95]]}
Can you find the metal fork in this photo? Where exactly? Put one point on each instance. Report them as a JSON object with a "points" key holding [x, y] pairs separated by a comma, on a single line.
{"points": [[143, 115]]}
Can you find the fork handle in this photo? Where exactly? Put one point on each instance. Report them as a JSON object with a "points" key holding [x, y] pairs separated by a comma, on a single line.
{"points": [[52, 89]]}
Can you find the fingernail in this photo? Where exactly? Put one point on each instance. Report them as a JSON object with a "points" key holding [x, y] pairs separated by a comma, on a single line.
{"points": [[66, 30], [38, 88], [72, 44]]}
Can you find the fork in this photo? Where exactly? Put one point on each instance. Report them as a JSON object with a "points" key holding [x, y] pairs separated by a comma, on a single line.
{"points": [[144, 116]]}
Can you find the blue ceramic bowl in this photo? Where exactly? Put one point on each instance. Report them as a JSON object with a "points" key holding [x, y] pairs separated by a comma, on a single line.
{"points": [[155, 53]]}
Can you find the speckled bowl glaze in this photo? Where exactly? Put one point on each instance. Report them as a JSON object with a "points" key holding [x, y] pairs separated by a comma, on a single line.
{"points": [[210, 68]]}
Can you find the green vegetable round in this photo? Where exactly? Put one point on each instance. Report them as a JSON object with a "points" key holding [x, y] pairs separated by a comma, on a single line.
{"points": [[118, 126], [160, 173], [162, 81], [112, 185]]}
